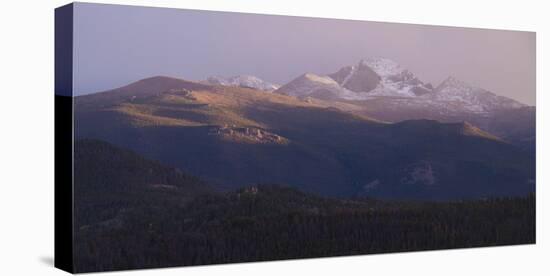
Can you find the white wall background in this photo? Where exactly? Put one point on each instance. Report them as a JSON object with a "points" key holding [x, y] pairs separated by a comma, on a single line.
{"points": [[26, 136]]}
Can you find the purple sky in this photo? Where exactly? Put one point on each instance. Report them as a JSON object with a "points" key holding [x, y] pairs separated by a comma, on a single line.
{"points": [[116, 45]]}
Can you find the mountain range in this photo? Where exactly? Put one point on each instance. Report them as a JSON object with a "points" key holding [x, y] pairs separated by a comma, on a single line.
{"points": [[381, 88], [383, 78], [329, 135]]}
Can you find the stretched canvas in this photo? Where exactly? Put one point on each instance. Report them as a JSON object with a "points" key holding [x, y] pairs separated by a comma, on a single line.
{"points": [[188, 137]]}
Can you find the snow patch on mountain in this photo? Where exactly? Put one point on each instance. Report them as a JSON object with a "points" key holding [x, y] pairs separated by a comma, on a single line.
{"points": [[319, 79], [470, 98], [243, 81], [395, 79]]}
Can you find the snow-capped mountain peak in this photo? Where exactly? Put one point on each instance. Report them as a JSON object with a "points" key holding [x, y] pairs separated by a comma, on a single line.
{"points": [[384, 67], [358, 78], [243, 81], [375, 78], [378, 77], [453, 88], [471, 98]]}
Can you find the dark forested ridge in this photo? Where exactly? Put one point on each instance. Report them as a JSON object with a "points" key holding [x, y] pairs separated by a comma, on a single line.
{"points": [[109, 180], [136, 213]]}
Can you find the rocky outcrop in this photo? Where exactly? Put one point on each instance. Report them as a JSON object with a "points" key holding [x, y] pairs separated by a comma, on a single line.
{"points": [[251, 135]]}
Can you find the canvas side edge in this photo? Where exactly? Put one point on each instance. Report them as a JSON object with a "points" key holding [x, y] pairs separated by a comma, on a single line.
{"points": [[64, 237]]}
